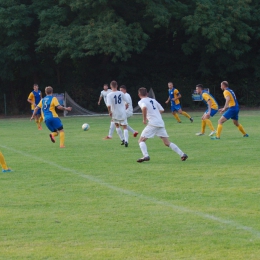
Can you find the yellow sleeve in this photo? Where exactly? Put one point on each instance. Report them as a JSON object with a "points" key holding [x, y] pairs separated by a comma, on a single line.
{"points": [[40, 104], [176, 92], [31, 96], [55, 102], [205, 97]]}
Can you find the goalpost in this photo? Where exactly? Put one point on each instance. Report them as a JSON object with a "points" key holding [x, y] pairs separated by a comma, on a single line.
{"points": [[78, 110]]}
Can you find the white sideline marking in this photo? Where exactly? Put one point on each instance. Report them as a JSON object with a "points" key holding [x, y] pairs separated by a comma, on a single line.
{"points": [[141, 196]]}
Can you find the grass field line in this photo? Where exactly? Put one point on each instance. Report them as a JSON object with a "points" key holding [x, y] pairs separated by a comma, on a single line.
{"points": [[139, 195]]}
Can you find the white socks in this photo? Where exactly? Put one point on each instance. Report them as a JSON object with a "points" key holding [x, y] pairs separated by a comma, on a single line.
{"points": [[111, 129], [143, 148], [126, 135], [129, 128], [119, 132], [176, 149]]}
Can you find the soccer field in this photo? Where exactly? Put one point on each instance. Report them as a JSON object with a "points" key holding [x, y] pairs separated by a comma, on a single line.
{"points": [[92, 200]]}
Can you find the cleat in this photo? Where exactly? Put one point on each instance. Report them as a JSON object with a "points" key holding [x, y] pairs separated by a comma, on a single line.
{"points": [[178, 122], [7, 170], [62, 146], [123, 142], [214, 138], [135, 134], [212, 133], [184, 157], [39, 128], [144, 159], [52, 138], [198, 134], [107, 138], [191, 120], [246, 135], [126, 144]]}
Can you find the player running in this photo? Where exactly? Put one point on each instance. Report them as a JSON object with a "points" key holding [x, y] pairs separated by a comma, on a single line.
{"points": [[212, 109], [52, 121], [103, 94], [129, 109], [34, 98], [174, 97], [116, 102], [151, 111], [232, 110]]}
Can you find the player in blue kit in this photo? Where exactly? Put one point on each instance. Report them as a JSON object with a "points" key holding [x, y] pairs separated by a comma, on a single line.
{"points": [[174, 97], [52, 121], [34, 98], [212, 109], [230, 110]]}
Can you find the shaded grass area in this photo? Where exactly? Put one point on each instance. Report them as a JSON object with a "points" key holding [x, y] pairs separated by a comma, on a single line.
{"points": [[92, 200]]}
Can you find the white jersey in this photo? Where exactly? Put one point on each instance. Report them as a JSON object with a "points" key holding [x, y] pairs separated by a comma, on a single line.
{"points": [[153, 111], [116, 100], [104, 94], [129, 110]]}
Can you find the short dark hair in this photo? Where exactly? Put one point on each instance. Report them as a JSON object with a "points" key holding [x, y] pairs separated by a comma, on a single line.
{"points": [[113, 84], [105, 85], [225, 83], [142, 92], [35, 85], [123, 86], [170, 83], [200, 86]]}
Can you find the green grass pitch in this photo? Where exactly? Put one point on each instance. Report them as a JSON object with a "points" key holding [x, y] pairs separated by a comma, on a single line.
{"points": [[92, 200]]}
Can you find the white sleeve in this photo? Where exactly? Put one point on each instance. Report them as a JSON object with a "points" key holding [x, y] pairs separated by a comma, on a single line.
{"points": [[125, 98], [141, 104], [108, 100], [159, 106]]}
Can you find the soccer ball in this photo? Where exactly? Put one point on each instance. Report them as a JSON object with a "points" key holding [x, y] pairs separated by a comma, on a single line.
{"points": [[85, 127]]}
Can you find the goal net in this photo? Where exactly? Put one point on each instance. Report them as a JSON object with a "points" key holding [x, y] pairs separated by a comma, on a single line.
{"points": [[78, 110]]}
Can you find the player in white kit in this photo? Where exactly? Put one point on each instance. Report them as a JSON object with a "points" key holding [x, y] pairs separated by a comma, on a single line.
{"points": [[129, 109], [116, 101], [103, 94], [151, 111]]}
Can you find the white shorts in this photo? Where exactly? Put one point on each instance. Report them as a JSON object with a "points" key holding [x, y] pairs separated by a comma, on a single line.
{"points": [[120, 122], [150, 131]]}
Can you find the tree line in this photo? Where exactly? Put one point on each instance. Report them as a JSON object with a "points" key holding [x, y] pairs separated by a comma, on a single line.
{"points": [[78, 45]]}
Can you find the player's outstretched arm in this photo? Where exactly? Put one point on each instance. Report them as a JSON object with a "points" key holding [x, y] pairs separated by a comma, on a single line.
{"points": [[64, 108]]}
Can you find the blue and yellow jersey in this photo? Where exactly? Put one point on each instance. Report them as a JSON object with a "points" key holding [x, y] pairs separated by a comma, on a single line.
{"points": [[233, 100], [35, 97], [48, 104], [174, 93], [206, 97]]}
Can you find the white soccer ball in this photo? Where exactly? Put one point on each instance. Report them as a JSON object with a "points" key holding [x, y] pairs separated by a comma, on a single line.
{"points": [[85, 127]]}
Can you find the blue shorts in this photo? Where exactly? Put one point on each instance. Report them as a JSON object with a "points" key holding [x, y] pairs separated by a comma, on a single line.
{"points": [[175, 107], [213, 112], [232, 113], [54, 124], [38, 112]]}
